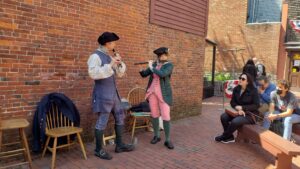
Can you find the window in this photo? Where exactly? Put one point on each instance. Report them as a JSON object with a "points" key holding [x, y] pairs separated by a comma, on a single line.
{"points": [[185, 15], [262, 11]]}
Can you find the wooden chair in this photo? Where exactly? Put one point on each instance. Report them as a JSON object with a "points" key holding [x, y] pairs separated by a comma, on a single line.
{"points": [[107, 138], [19, 124], [59, 125], [136, 96]]}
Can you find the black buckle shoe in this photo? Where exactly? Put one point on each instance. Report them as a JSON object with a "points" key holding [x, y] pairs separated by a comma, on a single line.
{"points": [[169, 145], [103, 155], [124, 148], [155, 140]]}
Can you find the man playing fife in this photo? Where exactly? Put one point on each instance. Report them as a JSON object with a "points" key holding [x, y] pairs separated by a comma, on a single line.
{"points": [[106, 99]]}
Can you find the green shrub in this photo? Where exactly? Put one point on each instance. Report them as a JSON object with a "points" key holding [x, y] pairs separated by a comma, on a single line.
{"points": [[219, 76]]}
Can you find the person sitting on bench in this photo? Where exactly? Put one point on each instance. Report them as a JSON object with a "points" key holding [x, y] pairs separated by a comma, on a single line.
{"points": [[283, 106], [245, 101], [265, 87]]}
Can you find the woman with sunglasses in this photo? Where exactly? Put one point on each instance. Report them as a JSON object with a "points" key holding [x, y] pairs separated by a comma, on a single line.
{"points": [[245, 100], [250, 69]]}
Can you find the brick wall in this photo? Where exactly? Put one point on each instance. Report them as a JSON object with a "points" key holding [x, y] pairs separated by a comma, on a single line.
{"points": [[227, 26], [44, 47]]}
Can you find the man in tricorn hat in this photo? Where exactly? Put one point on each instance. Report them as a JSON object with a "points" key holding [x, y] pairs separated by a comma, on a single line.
{"points": [[159, 93], [102, 69]]}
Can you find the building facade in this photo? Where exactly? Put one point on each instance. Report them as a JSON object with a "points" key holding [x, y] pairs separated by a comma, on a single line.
{"points": [[244, 29], [44, 47], [292, 44]]}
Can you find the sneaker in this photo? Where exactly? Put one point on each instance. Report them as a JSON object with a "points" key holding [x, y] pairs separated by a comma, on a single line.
{"points": [[219, 138], [155, 140], [103, 155], [228, 140], [124, 148], [169, 145]]}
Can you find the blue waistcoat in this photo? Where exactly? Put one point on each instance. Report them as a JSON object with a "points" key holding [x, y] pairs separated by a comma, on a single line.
{"points": [[105, 90]]}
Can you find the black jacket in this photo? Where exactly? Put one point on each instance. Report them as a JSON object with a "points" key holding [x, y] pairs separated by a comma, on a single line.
{"points": [[141, 107], [251, 70], [66, 106], [249, 100]]}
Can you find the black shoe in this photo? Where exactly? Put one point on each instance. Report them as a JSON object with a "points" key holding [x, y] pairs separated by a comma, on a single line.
{"points": [[169, 145], [228, 140], [155, 140], [103, 155], [124, 148], [219, 138]]}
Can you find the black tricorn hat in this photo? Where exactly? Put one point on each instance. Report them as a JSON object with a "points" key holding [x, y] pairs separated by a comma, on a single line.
{"points": [[107, 37], [161, 51]]}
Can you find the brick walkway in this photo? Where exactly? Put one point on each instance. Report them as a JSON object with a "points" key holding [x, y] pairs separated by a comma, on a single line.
{"points": [[195, 148]]}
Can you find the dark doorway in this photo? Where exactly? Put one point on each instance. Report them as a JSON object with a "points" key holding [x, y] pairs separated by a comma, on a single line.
{"points": [[209, 79]]}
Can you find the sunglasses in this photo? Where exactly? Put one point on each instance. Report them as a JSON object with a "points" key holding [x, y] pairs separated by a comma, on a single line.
{"points": [[242, 78]]}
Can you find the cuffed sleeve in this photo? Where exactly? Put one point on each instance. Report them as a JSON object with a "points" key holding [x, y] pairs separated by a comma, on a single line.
{"points": [[145, 73], [120, 69]]}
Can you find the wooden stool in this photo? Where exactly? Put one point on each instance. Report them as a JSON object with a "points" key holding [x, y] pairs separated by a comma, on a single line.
{"points": [[16, 124]]}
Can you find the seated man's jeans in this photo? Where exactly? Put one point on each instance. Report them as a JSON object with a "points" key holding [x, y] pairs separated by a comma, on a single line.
{"points": [[287, 123]]}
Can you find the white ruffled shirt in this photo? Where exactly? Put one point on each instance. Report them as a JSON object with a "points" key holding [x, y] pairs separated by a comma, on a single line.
{"points": [[98, 71]]}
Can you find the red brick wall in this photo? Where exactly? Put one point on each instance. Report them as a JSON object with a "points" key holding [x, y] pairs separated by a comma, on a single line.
{"points": [[44, 47], [227, 26]]}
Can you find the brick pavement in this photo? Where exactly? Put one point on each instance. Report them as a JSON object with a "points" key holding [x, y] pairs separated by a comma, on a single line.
{"points": [[195, 148]]}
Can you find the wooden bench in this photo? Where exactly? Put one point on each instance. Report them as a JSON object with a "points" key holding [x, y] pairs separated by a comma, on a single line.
{"points": [[296, 129], [282, 149]]}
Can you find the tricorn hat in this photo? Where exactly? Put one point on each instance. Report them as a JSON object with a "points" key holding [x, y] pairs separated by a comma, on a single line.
{"points": [[107, 37], [161, 51]]}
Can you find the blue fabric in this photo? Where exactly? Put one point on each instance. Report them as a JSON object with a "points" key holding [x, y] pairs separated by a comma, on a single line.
{"points": [[287, 123], [117, 111], [65, 105], [266, 96]]}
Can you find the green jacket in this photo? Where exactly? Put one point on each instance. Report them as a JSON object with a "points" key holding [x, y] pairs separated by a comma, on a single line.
{"points": [[165, 74]]}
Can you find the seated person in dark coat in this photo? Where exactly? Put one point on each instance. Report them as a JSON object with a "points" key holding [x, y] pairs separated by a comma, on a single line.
{"points": [[245, 100], [250, 69]]}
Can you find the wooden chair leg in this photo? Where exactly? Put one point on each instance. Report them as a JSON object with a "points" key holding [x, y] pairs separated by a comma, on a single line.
{"points": [[45, 147], [148, 124], [54, 153], [283, 161], [22, 144], [133, 128], [69, 141], [104, 142], [81, 145], [26, 147]]}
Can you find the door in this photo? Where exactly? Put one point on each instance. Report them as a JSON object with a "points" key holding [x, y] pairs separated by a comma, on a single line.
{"points": [[295, 71]]}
